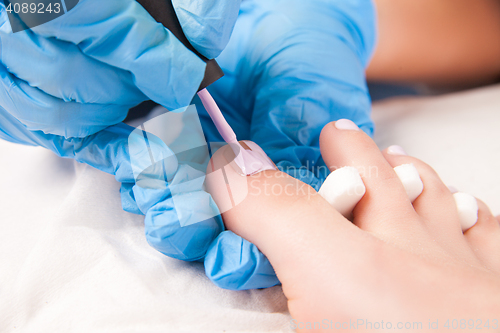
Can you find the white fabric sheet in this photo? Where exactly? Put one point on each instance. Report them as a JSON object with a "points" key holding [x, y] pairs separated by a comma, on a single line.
{"points": [[72, 261]]}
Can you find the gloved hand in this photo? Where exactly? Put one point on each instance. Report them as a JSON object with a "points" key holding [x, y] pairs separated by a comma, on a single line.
{"points": [[301, 67], [182, 227], [104, 57], [303, 90]]}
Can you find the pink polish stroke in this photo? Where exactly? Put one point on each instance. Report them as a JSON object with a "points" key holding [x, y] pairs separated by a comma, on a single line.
{"points": [[250, 162]]}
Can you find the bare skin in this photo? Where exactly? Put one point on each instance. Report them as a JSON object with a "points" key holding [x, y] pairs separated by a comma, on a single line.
{"points": [[394, 262], [437, 42]]}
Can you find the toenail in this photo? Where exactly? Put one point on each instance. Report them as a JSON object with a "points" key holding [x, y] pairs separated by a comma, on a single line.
{"points": [[396, 150], [452, 189], [346, 124]]}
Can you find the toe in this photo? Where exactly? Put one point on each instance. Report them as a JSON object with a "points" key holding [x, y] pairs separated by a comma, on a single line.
{"points": [[385, 203], [484, 238], [435, 205]]}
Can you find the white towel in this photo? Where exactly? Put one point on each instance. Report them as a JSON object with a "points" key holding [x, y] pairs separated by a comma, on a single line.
{"points": [[72, 261]]}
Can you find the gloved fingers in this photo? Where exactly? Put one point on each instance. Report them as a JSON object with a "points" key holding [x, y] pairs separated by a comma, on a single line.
{"points": [[106, 150], [60, 69], [13, 131], [236, 264], [307, 76], [41, 112], [129, 203], [153, 163], [207, 24], [181, 218], [184, 225], [124, 35], [294, 119]]}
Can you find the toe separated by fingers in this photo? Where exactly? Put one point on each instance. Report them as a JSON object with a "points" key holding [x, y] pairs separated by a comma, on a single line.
{"points": [[408, 174], [467, 209], [343, 189]]}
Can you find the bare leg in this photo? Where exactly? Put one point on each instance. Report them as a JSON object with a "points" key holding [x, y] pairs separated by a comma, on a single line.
{"points": [[438, 42]]}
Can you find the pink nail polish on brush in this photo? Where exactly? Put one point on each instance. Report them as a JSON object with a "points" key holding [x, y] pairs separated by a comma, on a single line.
{"points": [[249, 161]]}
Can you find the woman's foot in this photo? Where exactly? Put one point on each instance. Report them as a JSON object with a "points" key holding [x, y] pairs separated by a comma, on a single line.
{"points": [[396, 262]]}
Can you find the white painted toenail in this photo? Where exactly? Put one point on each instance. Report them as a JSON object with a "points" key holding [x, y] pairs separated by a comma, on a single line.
{"points": [[346, 124], [396, 150]]}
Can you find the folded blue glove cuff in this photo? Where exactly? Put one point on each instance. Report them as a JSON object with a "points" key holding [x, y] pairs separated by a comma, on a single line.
{"points": [[236, 264]]}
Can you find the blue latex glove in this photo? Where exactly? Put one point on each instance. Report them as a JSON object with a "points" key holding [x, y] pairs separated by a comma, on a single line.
{"points": [[105, 56], [183, 229], [301, 67]]}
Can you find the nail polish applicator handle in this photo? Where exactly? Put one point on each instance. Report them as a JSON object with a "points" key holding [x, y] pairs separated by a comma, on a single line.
{"points": [[220, 122]]}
